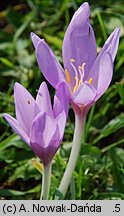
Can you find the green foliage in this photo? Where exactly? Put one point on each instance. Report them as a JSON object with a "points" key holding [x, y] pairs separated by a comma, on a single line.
{"points": [[99, 172]]}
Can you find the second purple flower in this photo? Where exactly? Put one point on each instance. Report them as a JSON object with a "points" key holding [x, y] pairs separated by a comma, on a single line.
{"points": [[40, 126]]}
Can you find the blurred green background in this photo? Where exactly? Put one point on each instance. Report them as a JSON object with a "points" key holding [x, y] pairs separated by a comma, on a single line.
{"points": [[99, 173]]}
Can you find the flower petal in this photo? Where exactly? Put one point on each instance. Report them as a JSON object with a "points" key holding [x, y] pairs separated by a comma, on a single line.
{"points": [[24, 103], [79, 42], [43, 128], [43, 99], [61, 100], [45, 138], [49, 65], [17, 128], [84, 95], [61, 121], [105, 71], [111, 44], [35, 39], [110, 47]]}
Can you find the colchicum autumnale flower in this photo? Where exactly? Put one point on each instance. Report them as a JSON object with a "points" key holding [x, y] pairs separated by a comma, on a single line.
{"points": [[40, 126], [86, 74]]}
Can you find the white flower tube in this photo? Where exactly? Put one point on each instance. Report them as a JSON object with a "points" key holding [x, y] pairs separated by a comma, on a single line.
{"points": [[79, 126]]}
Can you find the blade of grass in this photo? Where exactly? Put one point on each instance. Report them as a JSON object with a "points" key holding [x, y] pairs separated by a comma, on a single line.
{"points": [[87, 127], [102, 25], [120, 89], [107, 148]]}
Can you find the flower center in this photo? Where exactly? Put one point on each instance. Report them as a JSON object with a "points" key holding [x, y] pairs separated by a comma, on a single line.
{"points": [[79, 75]]}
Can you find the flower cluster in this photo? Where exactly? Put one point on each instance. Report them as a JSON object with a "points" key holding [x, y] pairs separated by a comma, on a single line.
{"points": [[83, 80]]}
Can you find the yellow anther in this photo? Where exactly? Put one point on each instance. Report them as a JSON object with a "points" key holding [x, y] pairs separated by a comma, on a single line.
{"points": [[83, 64], [68, 78], [75, 88], [79, 67], [76, 78], [80, 82], [90, 80], [72, 60]]}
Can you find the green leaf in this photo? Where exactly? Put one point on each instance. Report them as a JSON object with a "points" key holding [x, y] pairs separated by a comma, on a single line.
{"points": [[107, 148], [88, 124], [58, 195], [72, 188], [117, 156], [53, 40], [6, 62], [92, 151], [25, 171], [120, 89], [10, 192], [37, 165], [25, 24], [101, 25], [114, 125], [111, 196], [13, 140]]}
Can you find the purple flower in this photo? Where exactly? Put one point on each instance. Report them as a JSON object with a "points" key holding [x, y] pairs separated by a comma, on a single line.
{"points": [[86, 74], [40, 126]]}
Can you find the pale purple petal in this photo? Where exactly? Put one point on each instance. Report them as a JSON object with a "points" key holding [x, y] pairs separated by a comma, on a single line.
{"points": [[36, 110], [17, 128], [46, 154], [114, 38], [104, 73], [43, 99], [111, 44], [84, 95], [35, 39], [37, 128], [45, 138], [79, 42], [49, 65], [61, 121], [43, 128], [61, 100], [61, 107], [100, 70], [109, 47], [24, 105]]}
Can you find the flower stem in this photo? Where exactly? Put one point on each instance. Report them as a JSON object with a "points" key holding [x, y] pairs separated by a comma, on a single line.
{"points": [[46, 179], [79, 125]]}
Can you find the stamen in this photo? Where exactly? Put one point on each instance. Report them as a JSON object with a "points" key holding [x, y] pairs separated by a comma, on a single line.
{"points": [[80, 82], [72, 60], [68, 78], [75, 70], [79, 68], [90, 80], [81, 71], [83, 66], [81, 75], [75, 88]]}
